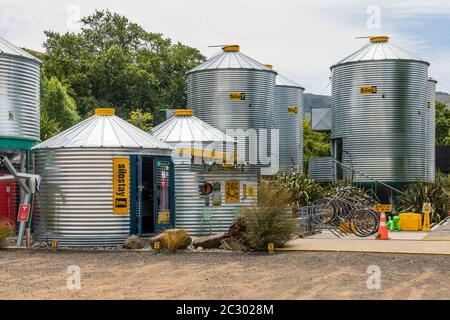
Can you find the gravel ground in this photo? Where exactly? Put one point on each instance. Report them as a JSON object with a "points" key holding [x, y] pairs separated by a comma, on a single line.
{"points": [[42, 274]]}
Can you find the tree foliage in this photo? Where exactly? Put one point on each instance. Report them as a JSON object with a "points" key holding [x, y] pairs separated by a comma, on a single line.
{"points": [[141, 119], [442, 124], [315, 144], [115, 62], [57, 103]]}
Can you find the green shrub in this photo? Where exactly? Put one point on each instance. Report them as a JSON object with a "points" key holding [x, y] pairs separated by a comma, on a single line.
{"points": [[302, 189], [436, 193], [6, 231], [270, 220]]}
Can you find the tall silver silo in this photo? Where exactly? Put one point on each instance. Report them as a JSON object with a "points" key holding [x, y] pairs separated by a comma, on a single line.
{"points": [[379, 96], [19, 93], [75, 205], [233, 91], [431, 129], [289, 122], [199, 213]]}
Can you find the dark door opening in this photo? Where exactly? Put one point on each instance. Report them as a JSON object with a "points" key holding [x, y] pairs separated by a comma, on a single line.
{"points": [[338, 154], [147, 208]]}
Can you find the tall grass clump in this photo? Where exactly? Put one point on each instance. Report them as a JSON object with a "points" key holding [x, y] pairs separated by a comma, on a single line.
{"points": [[270, 220], [6, 231], [175, 239]]}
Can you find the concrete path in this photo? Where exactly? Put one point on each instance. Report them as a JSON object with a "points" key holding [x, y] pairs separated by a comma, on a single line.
{"points": [[441, 232], [370, 245], [404, 235]]}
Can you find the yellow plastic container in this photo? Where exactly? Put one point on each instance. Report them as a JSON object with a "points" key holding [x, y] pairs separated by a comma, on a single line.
{"points": [[410, 221]]}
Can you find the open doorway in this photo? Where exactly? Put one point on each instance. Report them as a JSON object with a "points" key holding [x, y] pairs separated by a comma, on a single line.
{"points": [[148, 194]]}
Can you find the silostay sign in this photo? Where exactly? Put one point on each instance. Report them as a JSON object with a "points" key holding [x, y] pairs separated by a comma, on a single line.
{"points": [[121, 185]]}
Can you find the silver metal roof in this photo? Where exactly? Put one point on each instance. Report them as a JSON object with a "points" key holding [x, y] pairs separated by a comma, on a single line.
{"points": [[7, 47], [101, 131], [281, 80], [186, 128], [379, 50], [230, 60]]}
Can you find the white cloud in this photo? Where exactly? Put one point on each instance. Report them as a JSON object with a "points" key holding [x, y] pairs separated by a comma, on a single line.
{"points": [[302, 39]]}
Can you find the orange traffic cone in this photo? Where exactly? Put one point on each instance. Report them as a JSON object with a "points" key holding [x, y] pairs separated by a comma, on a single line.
{"points": [[382, 230]]}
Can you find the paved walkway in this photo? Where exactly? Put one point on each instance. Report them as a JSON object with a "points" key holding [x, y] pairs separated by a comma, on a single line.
{"points": [[370, 245], [435, 242], [442, 232]]}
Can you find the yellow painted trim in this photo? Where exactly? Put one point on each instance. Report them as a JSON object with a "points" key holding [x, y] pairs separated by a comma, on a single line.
{"points": [[231, 48], [379, 39], [211, 154], [183, 112], [364, 251], [105, 112]]}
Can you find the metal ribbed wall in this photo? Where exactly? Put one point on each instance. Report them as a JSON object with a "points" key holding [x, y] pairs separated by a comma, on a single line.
{"points": [[431, 130], [75, 204], [321, 169], [290, 127], [19, 97], [190, 206], [384, 134], [208, 95]]}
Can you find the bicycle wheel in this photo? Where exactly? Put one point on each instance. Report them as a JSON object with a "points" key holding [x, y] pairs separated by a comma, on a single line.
{"points": [[324, 211], [364, 223]]}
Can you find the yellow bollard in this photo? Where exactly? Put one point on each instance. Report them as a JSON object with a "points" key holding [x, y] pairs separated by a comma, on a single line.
{"points": [[270, 248], [54, 245], [157, 246], [426, 217]]}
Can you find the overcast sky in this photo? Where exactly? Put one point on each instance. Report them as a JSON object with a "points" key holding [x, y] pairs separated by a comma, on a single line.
{"points": [[300, 38]]}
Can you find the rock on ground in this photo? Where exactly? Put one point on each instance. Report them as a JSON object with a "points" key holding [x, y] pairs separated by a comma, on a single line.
{"points": [[134, 242], [233, 245], [161, 239], [209, 242]]}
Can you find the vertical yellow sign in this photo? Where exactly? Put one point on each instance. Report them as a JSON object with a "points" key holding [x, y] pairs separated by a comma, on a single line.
{"points": [[121, 185], [232, 191]]}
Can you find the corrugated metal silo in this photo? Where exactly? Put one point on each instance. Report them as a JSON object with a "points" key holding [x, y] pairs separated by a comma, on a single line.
{"points": [[199, 153], [379, 113], [75, 205], [431, 129], [19, 93], [289, 122], [233, 91]]}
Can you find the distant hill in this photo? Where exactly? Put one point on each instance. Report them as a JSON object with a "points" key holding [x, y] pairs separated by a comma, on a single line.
{"points": [[319, 101], [316, 101], [444, 98]]}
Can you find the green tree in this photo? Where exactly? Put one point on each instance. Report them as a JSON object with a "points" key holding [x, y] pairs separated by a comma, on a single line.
{"points": [[49, 127], [442, 124], [56, 103], [315, 144], [141, 119], [115, 62]]}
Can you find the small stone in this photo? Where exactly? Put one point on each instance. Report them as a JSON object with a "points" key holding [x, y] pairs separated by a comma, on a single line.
{"points": [[233, 245], [134, 242]]}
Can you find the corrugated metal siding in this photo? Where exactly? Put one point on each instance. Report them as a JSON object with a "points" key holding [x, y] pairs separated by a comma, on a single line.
{"points": [[208, 95], [384, 136], [190, 206], [290, 127], [19, 97], [321, 169], [431, 130], [75, 202]]}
